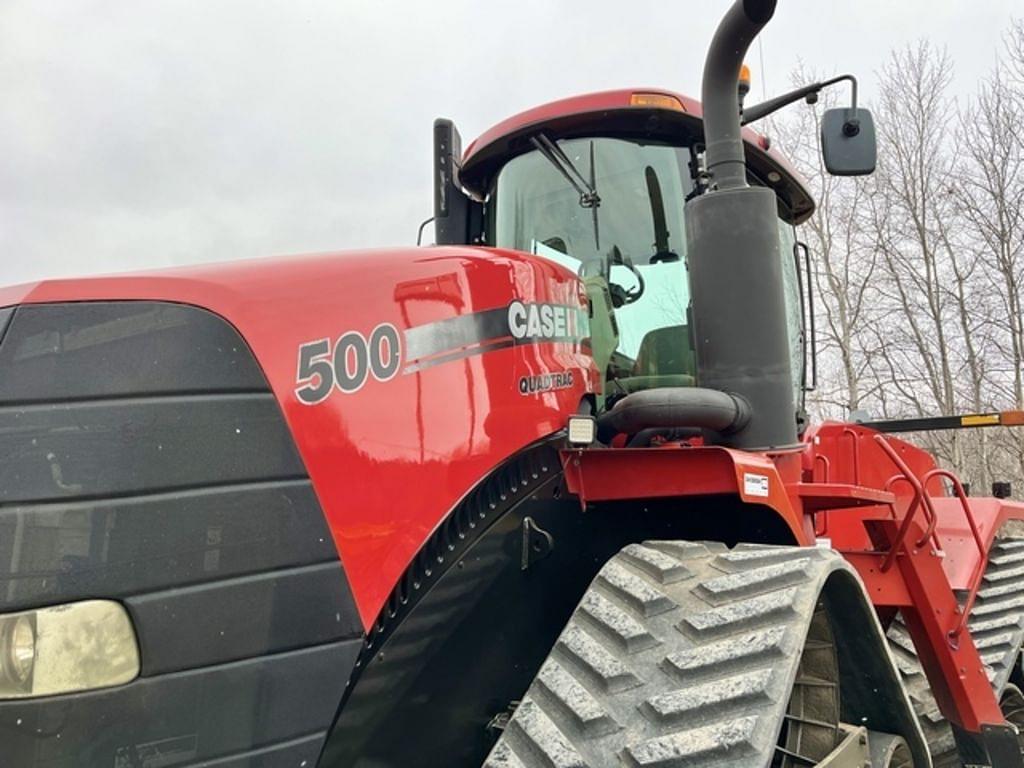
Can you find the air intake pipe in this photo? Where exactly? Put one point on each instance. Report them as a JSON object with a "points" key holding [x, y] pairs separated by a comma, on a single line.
{"points": [[735, 267], [673, 408]]}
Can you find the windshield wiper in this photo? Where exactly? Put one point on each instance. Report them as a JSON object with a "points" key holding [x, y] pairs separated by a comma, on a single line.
{"points": [[587, 189], [661, 233]]}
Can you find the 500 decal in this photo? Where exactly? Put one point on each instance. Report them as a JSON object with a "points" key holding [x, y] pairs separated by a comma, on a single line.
{"points": [[347, 365]]}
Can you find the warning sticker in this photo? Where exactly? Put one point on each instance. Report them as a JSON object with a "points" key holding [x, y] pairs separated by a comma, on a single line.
{"points": [[755, 485]]}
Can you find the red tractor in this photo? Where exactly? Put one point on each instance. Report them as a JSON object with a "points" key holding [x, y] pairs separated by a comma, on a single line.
{"points": [[542, 495]]}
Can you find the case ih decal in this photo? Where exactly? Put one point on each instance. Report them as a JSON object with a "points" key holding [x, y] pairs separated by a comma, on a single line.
{"points": [[542, 321], [347, 362]]}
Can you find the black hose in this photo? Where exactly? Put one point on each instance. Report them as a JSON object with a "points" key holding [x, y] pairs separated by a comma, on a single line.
{"points": [[675, 407]]}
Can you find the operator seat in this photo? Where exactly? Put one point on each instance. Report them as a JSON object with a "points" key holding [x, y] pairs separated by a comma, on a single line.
{"points": [[665, 359]]}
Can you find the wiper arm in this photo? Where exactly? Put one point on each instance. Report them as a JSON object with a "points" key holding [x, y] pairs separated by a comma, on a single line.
{"points": [[657, 210], [554, 155], [587, 189], [661, 233]]}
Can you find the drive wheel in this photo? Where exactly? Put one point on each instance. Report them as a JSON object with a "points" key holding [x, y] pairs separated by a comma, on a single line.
{"points": [[1011, 702], [811, 728]]}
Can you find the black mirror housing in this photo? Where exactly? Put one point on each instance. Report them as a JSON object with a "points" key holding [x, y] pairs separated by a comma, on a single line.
{"points": [[848, 141], [451, 206]]}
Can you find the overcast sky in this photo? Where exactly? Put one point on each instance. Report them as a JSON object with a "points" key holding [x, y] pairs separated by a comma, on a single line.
{"points": [[155, 133]]}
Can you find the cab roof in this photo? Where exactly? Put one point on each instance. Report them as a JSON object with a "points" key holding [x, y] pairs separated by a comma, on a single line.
{"points": [[647, 114]]}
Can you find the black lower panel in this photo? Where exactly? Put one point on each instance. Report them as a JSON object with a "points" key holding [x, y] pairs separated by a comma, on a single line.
{"points": [[236, 619], [129, 545], [301, 752], [144, 459], [58, 451], [183, 718]]}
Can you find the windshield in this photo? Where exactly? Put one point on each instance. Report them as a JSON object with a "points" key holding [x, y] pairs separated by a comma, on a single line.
{"points": [[639, 222], [629, 247]]}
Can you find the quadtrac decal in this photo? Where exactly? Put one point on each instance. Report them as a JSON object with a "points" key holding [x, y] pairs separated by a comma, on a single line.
{"points": [[545, 382], [347, 363]]}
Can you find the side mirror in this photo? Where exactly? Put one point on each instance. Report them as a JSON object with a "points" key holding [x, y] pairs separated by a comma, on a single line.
{"points": [[848, 141]]}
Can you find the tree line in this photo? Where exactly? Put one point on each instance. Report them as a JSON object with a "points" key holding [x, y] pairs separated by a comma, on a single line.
{"points": [[919, 268]]}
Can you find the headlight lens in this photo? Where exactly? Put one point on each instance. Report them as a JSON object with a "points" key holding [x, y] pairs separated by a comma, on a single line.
{"points": [[66, 648], [22, 648]]}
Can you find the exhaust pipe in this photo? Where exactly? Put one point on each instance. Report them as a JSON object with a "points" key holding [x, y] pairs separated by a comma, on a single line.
{"points": [[724, 146], [739, 311]]}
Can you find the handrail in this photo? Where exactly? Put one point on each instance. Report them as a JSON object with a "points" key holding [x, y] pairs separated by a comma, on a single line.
{"points": [[825, 463], [911, 510], [856, 453], [888, 487], [979, 569], [929, 512]]}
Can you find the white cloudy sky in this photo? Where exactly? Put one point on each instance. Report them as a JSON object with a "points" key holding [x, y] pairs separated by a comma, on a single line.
{"points": [[161, 132]]}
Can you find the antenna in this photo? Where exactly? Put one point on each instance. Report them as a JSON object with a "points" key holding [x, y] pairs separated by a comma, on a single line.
{"points": [[763, 73]]}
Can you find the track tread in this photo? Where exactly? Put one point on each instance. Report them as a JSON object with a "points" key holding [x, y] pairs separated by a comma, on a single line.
{"points": [[679, 654]]}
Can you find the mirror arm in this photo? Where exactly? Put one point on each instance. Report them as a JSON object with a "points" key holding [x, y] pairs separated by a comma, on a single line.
{"points": [[809, 92]]}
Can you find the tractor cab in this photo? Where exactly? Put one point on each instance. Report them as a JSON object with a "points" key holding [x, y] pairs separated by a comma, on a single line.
{"points": [[598, 184]]}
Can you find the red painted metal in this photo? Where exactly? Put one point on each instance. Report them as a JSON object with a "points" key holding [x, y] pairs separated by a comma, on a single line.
{"points": [[389, 461], [679, 471], [954, 669], [979, 568], [961, 560], [819, 497], [599, 105], [913, 550], [887, 589]]}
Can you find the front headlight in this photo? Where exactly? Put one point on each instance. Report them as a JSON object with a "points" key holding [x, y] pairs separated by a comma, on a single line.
{"points": [[21, 650], [66, 648]]}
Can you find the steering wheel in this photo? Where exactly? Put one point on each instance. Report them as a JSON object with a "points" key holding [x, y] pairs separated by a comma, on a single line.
{"points": [[621, 296]]}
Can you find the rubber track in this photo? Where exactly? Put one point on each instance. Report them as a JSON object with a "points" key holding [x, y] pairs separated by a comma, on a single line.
{"points": [[679, 654], [997, 627]]}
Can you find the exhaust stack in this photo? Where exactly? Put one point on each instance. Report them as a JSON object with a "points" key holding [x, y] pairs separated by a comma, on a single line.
{"points": [[739, 314]]}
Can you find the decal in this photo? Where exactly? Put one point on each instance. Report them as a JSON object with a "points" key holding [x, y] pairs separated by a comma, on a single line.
{"points": [[547, 382], [346, 363], [755, 485], [542, 321], [347, 366]]}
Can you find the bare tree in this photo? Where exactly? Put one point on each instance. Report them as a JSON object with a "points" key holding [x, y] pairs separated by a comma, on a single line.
{"points": [[991, 197], [920, 268], [910, 213], [842, 267]]}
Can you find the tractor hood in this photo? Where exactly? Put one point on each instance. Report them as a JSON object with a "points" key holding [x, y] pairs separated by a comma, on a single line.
{"points": [[404, 374]]}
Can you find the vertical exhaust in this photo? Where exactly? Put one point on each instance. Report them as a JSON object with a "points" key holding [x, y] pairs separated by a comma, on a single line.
{"points": [[739, 314]]}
